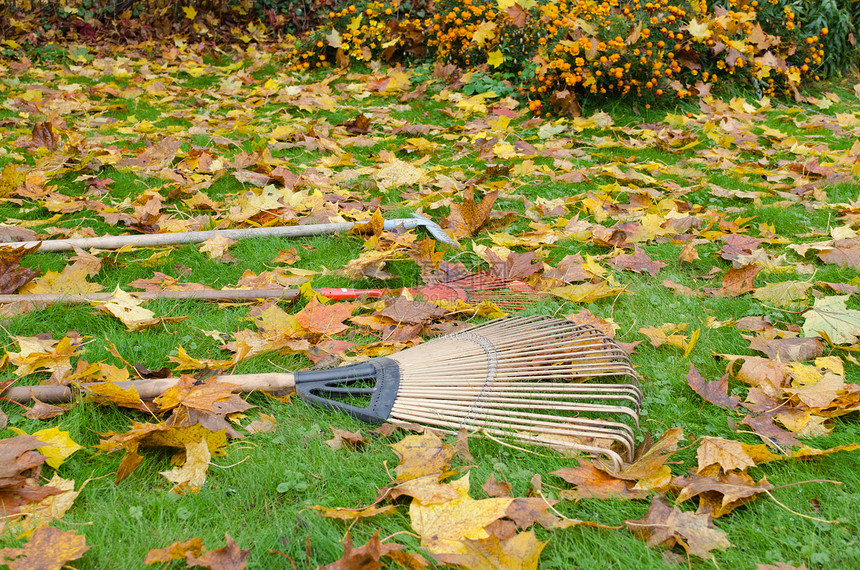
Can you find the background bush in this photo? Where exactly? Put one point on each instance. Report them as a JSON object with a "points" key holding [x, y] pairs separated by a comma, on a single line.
{"points": [[556, 52]]}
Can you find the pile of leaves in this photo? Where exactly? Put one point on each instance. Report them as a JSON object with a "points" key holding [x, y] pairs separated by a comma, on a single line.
{"points": [[718, 245]]}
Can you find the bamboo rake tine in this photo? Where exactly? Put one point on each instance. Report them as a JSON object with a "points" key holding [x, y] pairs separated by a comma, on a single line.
{"points": [[621, 432], [539, 396], [491, 403], [616, 459], [561, 431]]}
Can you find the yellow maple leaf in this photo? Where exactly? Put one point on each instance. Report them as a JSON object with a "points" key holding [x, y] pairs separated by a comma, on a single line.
{"points": [[496, 58], [72, 279], [217, 246], [587, 292], [192, 474], [59, 445], [699, 30], [49, 509], [128, 309], [443, 526], [485, 32]]}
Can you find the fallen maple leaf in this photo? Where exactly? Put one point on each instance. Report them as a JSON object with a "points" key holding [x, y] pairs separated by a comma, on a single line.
{"points": [[354, 514], [665, 527], [495, 488], [594, 483], [12, 275], [128, 309], [57, 445], [727, 454], [715, 392], [175, 551], [521, 552], [368, 556], [468, 216], [192, 474], [324, 319], [720, 493], [785, 294], [228, 557], [649, 467], [43, 411], [264, 424], [157, 435], [788, 349], [404, 312], [49, 548], [831, 318], [422, 455], [72, 279], [217, 247], [443, 526], [18, 454], [344, 439], [637, 262], [585, 293], [739, 281]]}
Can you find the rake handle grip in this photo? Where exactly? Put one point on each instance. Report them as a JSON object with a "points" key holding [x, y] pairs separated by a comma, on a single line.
{"points": [[147, 389], [343, 293]]}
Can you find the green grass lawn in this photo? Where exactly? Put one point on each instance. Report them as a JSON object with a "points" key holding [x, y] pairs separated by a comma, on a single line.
{"points": [[781, 174]]}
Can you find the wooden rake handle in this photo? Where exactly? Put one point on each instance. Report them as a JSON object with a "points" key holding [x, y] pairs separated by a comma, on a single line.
{"points": [[204, 295], [148, 389]]}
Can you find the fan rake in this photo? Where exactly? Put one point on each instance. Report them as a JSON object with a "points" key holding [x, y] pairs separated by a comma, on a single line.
{"points": [[521, 378]]}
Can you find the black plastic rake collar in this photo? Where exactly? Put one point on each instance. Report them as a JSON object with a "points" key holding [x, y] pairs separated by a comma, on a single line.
{"points": [[323, 388]]}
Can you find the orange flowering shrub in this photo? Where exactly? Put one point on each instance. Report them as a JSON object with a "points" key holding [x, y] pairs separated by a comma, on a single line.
{"points": [[561, 51]]}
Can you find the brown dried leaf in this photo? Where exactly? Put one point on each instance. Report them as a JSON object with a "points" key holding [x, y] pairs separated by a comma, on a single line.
{"points": [[346, 440], [739, 281], [789, 349], [715, 392], [769, 432], [665, 527], [495, 488], [43, 411], [594, 483], [468, 216], [43, 136], [264, 424], [520, 552], [324, 319], [725, 453], [422, 455], [637, 262], [721, 493], [49, 548], [175, 551], [368, 556], [12, 275], [228, 557], [404, 311], [17, 455]]}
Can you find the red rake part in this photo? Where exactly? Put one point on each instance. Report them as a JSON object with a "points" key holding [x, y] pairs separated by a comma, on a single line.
{"points": [[507, 294]]}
